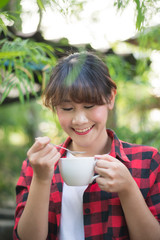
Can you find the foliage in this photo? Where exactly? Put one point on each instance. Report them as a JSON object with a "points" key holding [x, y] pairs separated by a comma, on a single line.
{"points": [[7, 16], [14, 10], [10, 161], [123, 71], [19, 125], [149, 38], [133, 93], [149, 138], [68, 8], [120, 70], [20, 61], [3, 3], [14, 121], [145, 9]]}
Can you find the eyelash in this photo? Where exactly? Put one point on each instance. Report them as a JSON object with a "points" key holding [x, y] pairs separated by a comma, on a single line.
{"points": [[69, 109], [88, 107]]}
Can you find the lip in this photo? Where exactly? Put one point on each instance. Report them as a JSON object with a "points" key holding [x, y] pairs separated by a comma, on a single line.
{"points": [[83, 133]]}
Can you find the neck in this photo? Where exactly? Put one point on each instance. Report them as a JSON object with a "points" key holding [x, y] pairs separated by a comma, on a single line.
{"points": [[98, 148]]}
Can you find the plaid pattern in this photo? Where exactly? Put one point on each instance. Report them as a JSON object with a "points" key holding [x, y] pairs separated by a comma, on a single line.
{"points": [[103, 215]]}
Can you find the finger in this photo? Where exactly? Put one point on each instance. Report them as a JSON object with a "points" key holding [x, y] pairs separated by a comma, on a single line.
{"points": [[51, 153], [47, 149], [42, 155], [103, 172], [50, 159], [104, 184], [39, 144], [106, 157], [54, 157], [101, 180], [101, 163]]}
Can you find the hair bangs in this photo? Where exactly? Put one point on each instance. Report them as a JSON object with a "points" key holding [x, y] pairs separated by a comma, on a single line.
{"points": [[81, 78], [84, 90]]}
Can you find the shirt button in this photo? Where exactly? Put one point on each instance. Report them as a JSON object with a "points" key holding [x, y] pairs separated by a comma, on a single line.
{"points": [[87, 210]]}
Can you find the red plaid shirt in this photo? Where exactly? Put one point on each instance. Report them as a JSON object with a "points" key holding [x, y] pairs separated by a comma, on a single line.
{"points": [[103, 215]]}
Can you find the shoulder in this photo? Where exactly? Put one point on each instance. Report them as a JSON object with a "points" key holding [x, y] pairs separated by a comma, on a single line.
{"points": [[146, 153], [134, 151], [139, 148]]}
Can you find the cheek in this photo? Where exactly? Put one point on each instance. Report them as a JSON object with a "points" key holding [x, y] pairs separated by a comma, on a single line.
{"points": [[100, 115], [63, 120]]}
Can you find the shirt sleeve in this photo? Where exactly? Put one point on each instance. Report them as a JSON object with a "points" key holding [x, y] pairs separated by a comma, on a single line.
{"points": [[22, 190], [153, 197]]}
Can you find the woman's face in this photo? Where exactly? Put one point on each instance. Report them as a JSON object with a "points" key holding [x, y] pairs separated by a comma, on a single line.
{"points": [[84, 123]]}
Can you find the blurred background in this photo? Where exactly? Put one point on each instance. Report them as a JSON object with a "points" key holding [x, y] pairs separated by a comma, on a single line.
{"points": [[35, 34]]}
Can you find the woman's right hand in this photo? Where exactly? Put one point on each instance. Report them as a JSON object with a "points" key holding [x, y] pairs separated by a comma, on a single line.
{"points": [[43, 156]]}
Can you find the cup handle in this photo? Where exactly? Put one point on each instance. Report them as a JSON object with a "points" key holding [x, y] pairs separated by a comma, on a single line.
{"points": [[94, 177]]}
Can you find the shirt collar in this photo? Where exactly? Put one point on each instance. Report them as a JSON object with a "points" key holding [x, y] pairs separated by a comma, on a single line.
{"points": [[64, 144], [117, 149]]}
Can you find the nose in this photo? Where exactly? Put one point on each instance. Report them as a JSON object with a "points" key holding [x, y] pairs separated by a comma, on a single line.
{"points": [[79, 118]]}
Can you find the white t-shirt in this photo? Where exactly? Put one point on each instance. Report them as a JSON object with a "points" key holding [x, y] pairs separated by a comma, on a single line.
{"points": [[71, 225]]}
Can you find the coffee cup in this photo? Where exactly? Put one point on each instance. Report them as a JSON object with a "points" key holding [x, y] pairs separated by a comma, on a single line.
{"points": [[77, 171]]}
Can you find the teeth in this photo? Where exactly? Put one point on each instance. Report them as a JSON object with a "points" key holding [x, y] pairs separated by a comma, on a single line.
{"points": [[82, 130]]}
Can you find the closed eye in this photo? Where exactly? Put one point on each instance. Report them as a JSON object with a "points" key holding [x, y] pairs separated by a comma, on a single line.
{"points": [[67, 109], [88, 107]]}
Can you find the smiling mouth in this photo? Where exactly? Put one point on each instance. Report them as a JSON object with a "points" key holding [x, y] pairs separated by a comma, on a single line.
{"points": [[83, 131]]}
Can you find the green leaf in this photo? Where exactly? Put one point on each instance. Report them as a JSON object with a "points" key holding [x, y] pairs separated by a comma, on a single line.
{"points": [[7, 91], [21, 95], [25, 87], [9, 16], [40, 4], [12, 54], [21, 59], [3, 27], [3, 3]]}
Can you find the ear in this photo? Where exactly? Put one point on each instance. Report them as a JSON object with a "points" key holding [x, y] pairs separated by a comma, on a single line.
{"points": [[112, 99]]}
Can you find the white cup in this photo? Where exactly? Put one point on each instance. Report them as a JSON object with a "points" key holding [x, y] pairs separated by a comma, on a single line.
{"points": [[77, 171]]}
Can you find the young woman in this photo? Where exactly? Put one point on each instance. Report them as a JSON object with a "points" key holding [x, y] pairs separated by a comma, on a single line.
{"points": [[123, 203]]}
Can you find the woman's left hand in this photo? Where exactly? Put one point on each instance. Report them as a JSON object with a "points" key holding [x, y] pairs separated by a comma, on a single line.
{"points": [[114, 175]]}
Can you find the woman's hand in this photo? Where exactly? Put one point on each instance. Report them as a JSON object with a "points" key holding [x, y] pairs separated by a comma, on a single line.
{"points": [[114, 175], [43, 156]]}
